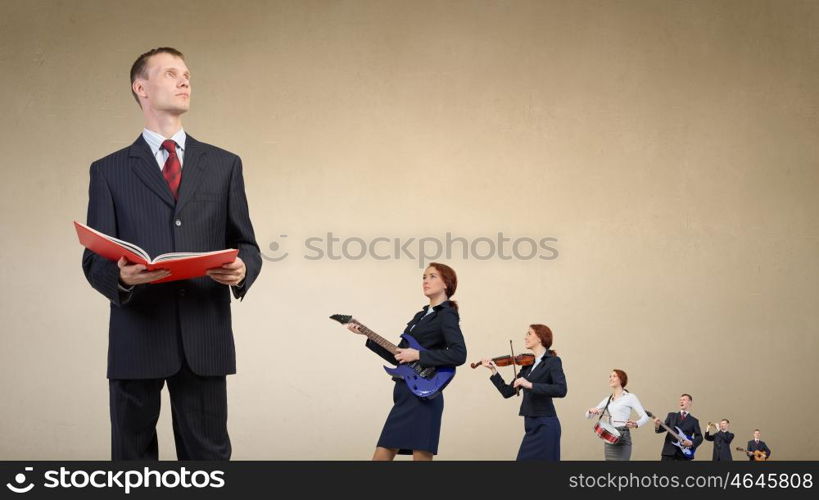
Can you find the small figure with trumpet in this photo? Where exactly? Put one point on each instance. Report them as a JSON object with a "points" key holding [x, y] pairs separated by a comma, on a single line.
{"points": [[722, 438]]}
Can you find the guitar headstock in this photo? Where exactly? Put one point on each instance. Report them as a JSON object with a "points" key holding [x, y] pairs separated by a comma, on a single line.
{"points": [[342, 318]]}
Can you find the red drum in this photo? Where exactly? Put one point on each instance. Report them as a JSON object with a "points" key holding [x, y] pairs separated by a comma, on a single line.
{"points": [[607, 432]]}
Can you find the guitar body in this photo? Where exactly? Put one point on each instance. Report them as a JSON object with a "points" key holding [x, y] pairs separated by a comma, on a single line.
{"points": [[424, 382], [758, 455], [687, 452]]}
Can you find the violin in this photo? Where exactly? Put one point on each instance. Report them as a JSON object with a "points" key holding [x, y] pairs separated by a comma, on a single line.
{"points": [[508, 360]]}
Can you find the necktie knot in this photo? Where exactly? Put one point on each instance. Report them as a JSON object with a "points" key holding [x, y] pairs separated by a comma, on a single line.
{"points": [[169, 146]]}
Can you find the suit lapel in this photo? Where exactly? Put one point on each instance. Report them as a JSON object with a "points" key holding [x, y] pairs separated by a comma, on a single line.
{"points": [[542, 363], [144, 165], [193, 169], [422, 323], [676, 421]]}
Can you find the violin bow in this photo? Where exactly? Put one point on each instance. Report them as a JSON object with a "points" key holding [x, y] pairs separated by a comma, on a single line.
{"points": [[514, 370]]}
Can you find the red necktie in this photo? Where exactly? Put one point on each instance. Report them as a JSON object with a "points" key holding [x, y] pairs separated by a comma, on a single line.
{"points": [[684, 415], [172, 171]]}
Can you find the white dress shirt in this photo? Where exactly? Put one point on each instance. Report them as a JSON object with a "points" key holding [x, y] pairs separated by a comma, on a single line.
{"points": [[620, 410], [155, 141]]}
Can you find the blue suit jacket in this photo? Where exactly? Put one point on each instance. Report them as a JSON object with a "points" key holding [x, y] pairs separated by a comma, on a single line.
{"points": [[153, 326]]}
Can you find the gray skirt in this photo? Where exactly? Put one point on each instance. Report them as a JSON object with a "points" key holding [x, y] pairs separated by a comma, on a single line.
{"points": [[620, 451]]}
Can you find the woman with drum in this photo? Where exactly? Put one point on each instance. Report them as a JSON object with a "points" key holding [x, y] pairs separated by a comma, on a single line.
{"points": [[540, 382], [616, 433]]}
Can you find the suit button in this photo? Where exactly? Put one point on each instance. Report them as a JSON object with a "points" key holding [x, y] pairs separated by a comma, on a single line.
{"points": [[181, 292], [178, 222]]}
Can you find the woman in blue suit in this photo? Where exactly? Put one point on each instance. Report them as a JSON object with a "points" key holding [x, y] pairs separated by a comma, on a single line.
{"points": [[414, 424], [540, 382]]}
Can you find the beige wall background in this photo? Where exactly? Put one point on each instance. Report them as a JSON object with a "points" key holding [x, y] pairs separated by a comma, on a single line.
{"points": [[669, 146]]}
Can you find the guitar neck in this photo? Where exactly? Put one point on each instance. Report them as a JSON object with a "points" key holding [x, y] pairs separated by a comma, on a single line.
{"points": [[673, 434], [378, 339]]}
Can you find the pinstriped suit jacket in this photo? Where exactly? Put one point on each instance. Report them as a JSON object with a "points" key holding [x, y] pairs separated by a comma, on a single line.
{"points": [[152, 326]]}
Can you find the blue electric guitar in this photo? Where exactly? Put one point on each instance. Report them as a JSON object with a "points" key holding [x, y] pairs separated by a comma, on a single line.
{"points": [[424, 381], [688, 452]]}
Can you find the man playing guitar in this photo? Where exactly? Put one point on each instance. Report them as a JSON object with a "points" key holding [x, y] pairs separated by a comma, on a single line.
{"points": [[755, 445], [685, 422]]}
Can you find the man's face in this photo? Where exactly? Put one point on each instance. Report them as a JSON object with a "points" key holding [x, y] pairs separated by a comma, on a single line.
{"points": [[723, 426], [756, 434], [685, 403], [167, 88]]}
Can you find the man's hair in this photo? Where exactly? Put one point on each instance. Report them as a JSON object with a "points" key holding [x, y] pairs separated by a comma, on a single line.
{"points": [[139, 66], [725, 420], [688, 396], [756, 430]]}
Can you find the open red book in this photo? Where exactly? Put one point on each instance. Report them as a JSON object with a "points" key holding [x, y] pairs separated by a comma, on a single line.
{"points": [[182, 265]]}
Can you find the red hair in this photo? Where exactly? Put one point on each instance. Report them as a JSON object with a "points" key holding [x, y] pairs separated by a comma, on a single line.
{"points": [[544, 333], [450, 280], [622, 376]]}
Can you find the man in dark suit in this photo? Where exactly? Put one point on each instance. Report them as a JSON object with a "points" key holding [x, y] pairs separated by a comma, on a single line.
{"points": [[168, 192], [689, 425], [757, 444], [722, 441]]}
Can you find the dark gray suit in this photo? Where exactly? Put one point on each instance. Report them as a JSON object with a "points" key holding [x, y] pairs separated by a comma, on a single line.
{"points": [[176, 329]]}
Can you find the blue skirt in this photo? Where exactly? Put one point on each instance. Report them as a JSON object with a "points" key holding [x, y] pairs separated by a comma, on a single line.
{"points": [[413, 423], [542, 439]]}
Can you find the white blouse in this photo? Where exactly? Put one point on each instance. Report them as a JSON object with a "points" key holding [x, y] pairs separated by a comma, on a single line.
{"points": [[620, 410]]}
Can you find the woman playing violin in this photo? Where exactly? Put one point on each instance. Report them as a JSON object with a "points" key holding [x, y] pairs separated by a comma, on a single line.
{"points": [[541, 380], [619, 406]]}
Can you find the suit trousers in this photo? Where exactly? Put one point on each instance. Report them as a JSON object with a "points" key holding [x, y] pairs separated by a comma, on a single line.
{"points": [[198, 410]]}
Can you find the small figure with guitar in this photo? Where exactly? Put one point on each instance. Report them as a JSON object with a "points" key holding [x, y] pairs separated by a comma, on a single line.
{"points": [[757, 450], [540, 380], [683, 432], [722, 440], [432, 345]]}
